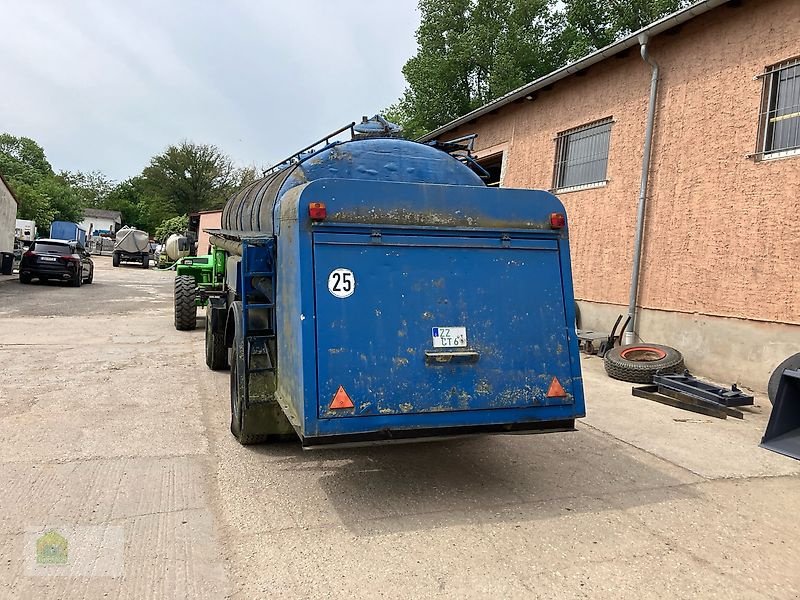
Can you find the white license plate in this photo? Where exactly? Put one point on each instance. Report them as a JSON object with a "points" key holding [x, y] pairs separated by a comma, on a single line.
{"points": [[449, 337], [48, 258]]}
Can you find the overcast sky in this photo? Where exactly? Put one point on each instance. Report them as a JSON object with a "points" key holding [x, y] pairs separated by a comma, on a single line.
{"points": [[107, 84]]}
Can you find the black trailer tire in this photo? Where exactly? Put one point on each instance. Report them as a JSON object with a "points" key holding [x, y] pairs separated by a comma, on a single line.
{"points": [[25, 278], [145, 261], [638, 363], [239, 408], [185, 307], [115, 259], [793, 362], [216, 351]]}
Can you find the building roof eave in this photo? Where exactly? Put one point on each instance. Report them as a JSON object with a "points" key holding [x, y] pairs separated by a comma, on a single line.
{"points": [[101, 213], [663, 24]]}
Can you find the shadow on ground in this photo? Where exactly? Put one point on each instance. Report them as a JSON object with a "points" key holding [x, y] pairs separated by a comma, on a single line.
{"points": [[476, 480]]}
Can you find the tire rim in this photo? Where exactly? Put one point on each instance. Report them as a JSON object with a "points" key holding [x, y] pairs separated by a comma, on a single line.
{"points": [[643, 354]]}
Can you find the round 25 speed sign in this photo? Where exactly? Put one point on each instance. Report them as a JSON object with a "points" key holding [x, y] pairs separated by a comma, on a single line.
{"points": [[341, 283]]}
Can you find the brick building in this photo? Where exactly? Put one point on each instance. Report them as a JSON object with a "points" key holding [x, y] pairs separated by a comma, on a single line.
{"points": [[720, 274]]}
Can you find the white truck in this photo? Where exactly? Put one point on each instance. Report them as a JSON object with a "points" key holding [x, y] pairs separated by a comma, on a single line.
{"points": [[25, 230]]}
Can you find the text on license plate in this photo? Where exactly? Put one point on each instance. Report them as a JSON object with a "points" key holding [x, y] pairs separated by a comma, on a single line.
{"points": [[449, 337], [49, 258]]}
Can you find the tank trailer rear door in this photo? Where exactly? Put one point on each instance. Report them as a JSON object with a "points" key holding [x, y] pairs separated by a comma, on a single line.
{"points": [[437, 323]]}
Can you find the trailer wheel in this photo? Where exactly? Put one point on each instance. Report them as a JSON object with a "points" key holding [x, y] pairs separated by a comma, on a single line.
{"points": [[145, 261], [216, 352], [239, 409], [115, 259], [638, 363], [793, 362], [185, 307]]}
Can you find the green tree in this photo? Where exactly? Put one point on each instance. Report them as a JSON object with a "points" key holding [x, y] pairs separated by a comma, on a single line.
{"points": [[145, 203], [245, 176], [169, 226], [128, 198], [189, 177], [470, 52], [92, 187], [23, 160], [592, 24], [43, 196]]}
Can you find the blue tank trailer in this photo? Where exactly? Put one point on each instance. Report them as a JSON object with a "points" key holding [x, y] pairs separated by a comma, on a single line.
{"points": [[377, 289]]}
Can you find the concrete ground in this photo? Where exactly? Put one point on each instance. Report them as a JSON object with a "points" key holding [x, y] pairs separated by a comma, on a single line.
{"points": [[115, 435]]}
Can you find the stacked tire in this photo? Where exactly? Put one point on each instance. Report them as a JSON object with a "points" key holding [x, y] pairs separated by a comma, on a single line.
{"points": [[638, 363]]}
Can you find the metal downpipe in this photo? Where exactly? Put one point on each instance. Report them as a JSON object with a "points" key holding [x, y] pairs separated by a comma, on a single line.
{"points": [[629, 336]]}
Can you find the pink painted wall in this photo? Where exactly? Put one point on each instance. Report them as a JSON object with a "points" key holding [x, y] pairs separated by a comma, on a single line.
{"points": [[208, 220], [722, 230]]}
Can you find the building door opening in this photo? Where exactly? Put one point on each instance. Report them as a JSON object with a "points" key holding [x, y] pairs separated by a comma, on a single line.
{"points": [[494, 165]]}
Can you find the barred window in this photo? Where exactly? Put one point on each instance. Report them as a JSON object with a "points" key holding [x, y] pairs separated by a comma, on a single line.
{"points": [[582, 155], [779, 123]]}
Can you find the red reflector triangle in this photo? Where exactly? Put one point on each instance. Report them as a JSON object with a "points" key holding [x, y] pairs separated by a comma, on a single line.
{"points": [[556, 389], [341, 400]]}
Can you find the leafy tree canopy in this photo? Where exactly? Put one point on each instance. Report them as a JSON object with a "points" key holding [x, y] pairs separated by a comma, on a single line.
{"points": [[185, 178], [172, 225], [93, 187], [470, 52], [43, 196], [190, 177]]}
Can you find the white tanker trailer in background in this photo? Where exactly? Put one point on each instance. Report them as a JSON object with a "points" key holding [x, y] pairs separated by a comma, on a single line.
{"points": [[176, 247], [132, 245]]}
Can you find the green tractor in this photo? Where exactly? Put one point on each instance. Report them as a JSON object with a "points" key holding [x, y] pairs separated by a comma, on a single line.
{"points": [[197, 278]]}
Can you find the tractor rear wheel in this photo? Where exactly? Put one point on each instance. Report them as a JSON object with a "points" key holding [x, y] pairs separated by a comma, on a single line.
{"points": [[216, 351], [185, 306]]}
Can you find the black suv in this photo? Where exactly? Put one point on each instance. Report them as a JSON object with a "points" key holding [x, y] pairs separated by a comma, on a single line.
{"points": [[56, 259]]}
